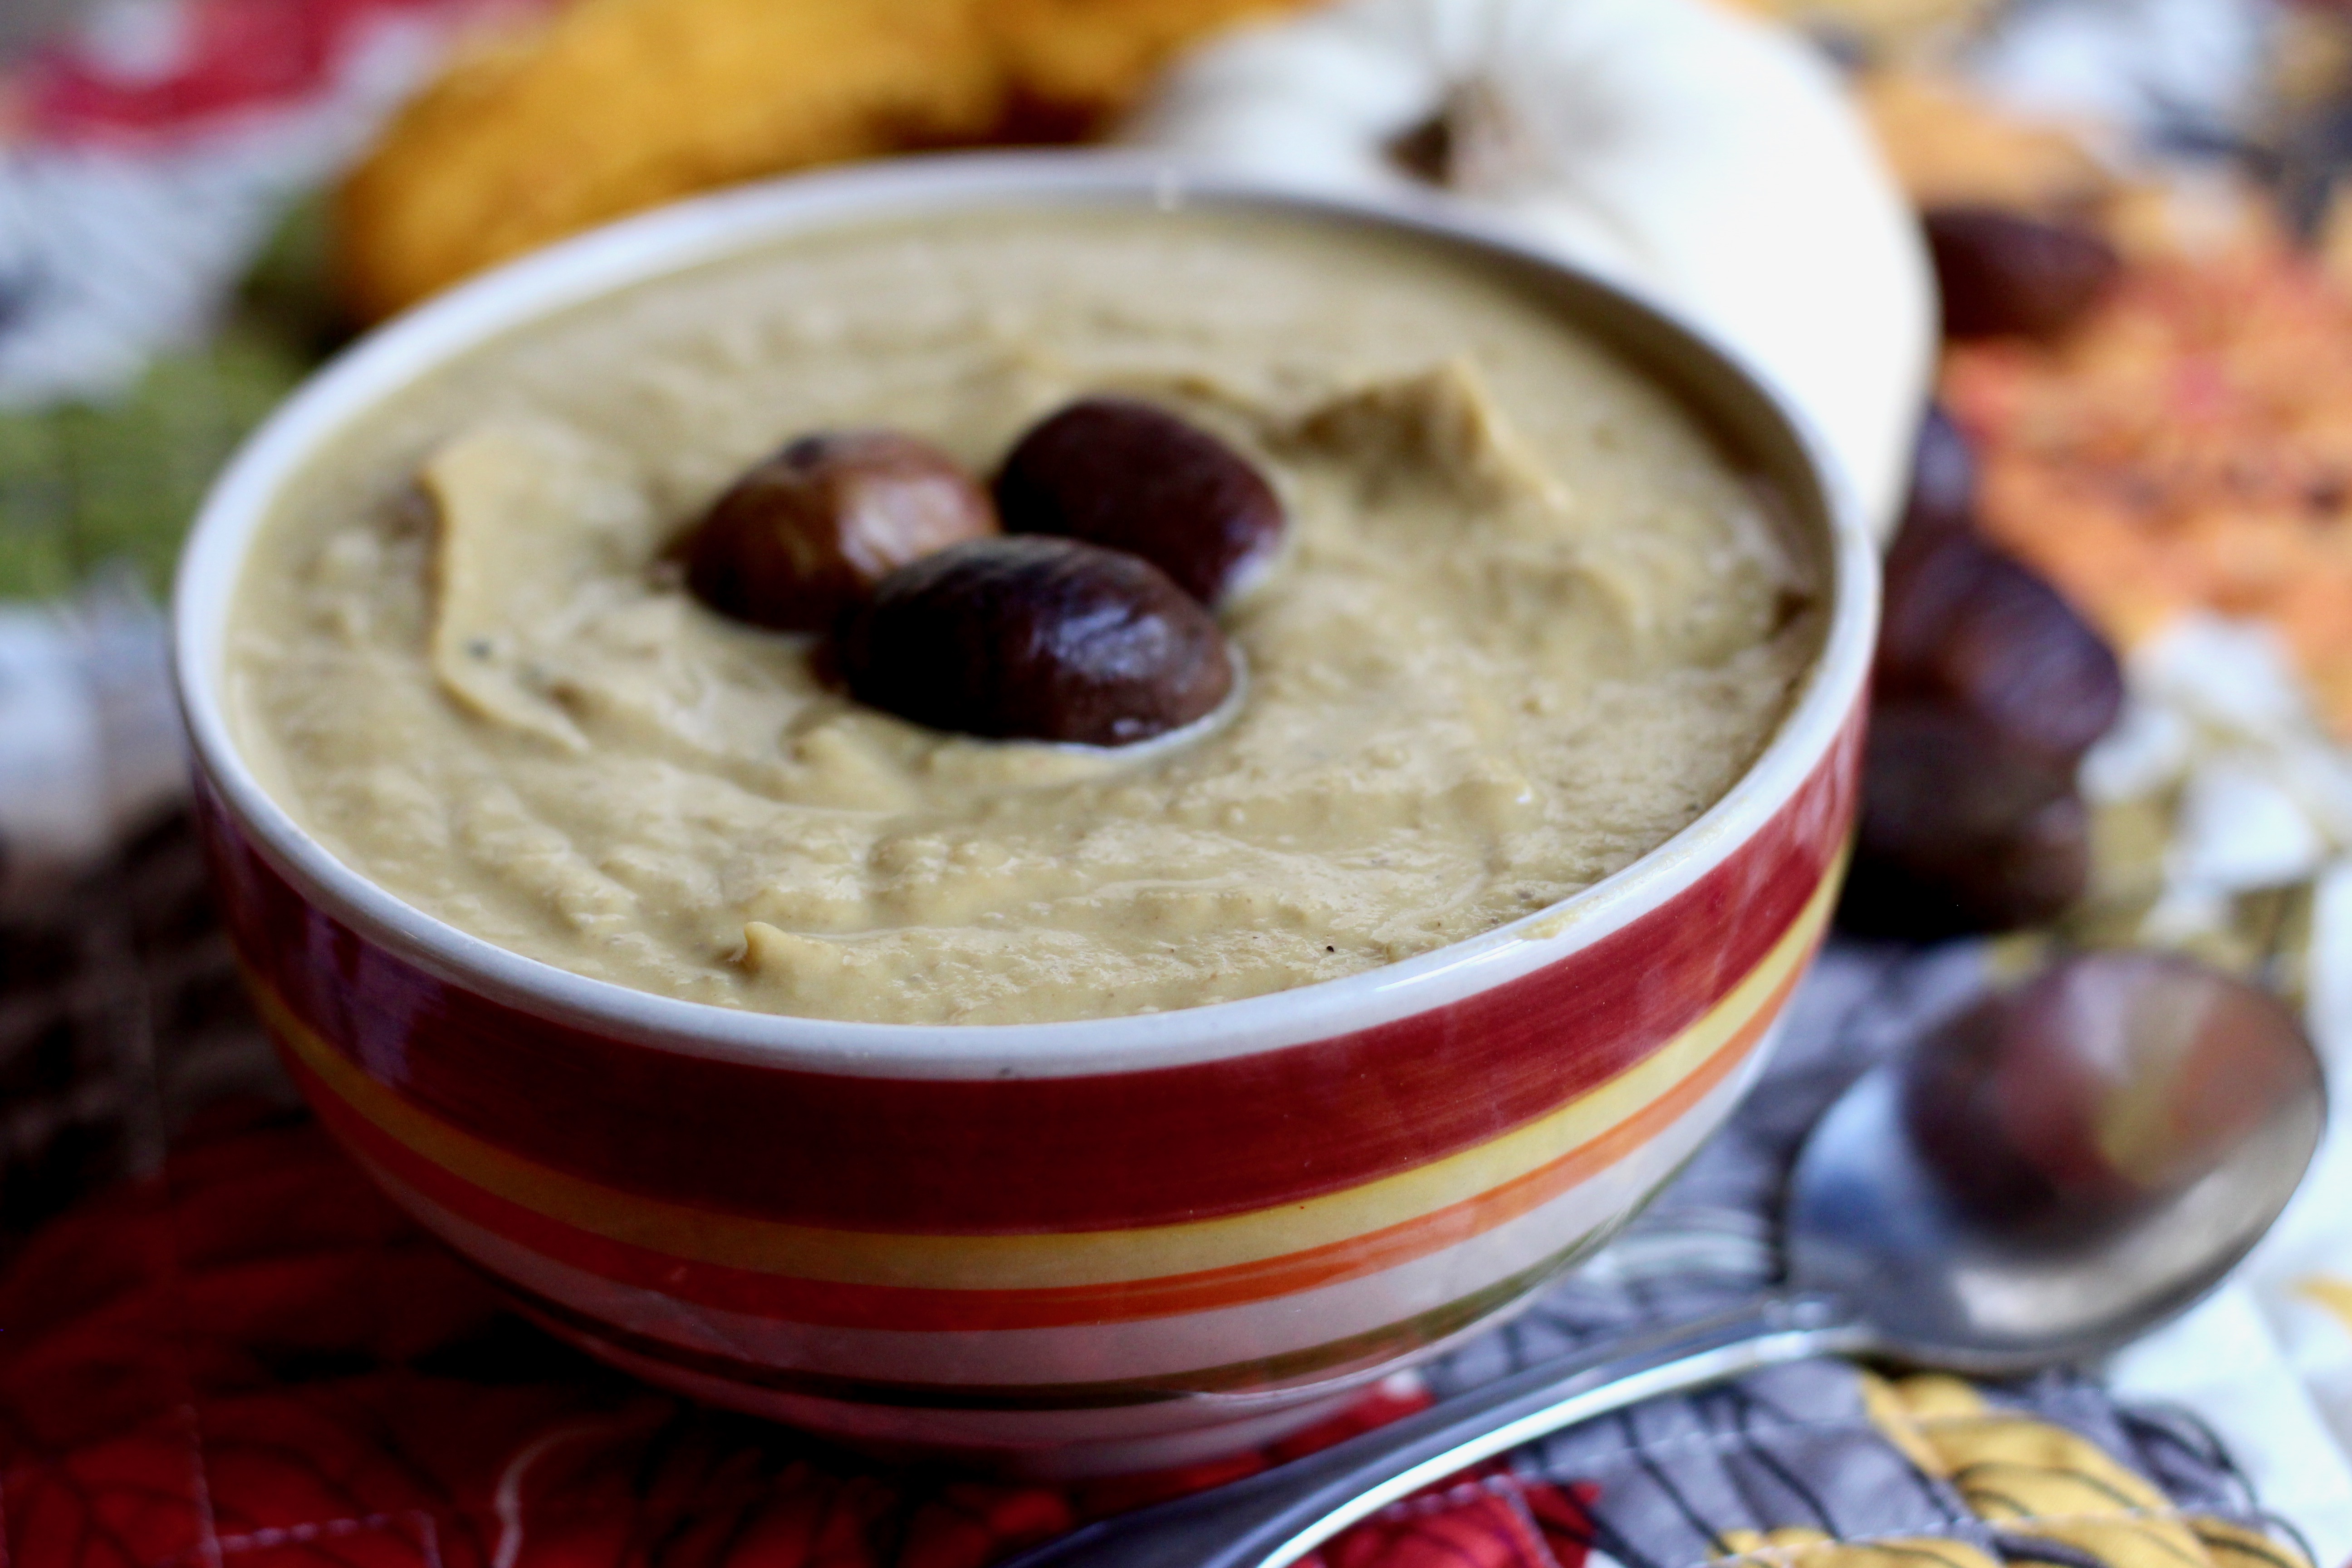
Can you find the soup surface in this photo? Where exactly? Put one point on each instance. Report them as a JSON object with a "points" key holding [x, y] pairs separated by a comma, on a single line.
{"points": [[1527, 623]]}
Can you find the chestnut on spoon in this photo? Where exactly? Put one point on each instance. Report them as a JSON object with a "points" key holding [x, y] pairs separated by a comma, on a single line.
{"points": [[2051, 1176]]}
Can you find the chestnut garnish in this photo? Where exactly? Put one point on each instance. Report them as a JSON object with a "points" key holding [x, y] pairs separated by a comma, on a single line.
{"points": [[2001, 273], [1045, 640], [811, 530], [1118, 472]]}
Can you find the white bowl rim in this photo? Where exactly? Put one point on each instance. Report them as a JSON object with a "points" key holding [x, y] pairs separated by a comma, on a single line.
{"points": [[713, 227]]}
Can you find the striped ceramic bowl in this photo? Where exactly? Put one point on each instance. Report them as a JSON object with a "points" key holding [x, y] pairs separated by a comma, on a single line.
{"points": [[1092, 1245]]}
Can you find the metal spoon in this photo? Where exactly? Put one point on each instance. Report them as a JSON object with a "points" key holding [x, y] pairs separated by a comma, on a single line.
{"points": [[1894, 1251]]}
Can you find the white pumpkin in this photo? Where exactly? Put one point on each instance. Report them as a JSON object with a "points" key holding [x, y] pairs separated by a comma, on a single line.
{"points": [[1707, 161]]}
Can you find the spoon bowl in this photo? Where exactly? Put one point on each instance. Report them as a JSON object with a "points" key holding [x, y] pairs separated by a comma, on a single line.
{"points": [[1871, 1224]]}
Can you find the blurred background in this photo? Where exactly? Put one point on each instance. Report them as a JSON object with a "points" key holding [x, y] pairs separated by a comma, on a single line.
{"points": [[2115, 691]]}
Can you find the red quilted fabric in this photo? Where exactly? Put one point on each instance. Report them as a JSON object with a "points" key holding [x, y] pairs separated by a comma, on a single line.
{"points": [[256, 1362]]}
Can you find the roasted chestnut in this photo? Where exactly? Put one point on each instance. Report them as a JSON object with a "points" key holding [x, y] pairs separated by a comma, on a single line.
{"points": [[1972, 625], [2002, 273], [809, 532], [1047, 639], [1125, 474], [1943, 478], [1960, 832], [1988, 689]]}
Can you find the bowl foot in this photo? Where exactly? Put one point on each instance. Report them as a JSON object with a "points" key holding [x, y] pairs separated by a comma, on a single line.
{"points": [[1029, 1445]]}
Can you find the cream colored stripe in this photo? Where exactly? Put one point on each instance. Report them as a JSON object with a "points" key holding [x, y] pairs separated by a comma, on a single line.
{"points": [[1047, 1261]]}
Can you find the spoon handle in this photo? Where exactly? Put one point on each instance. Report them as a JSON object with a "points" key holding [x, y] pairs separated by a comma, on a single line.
{"points": [[1275, 1516]]}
